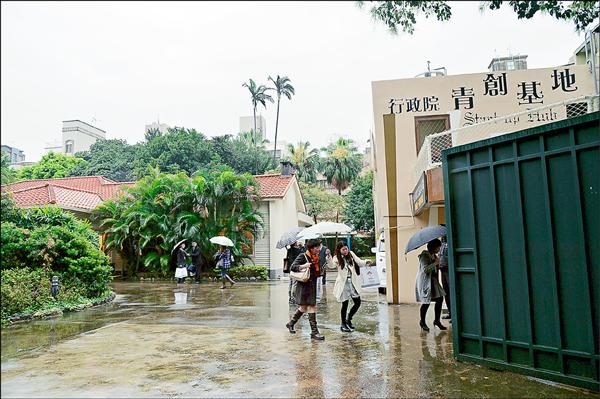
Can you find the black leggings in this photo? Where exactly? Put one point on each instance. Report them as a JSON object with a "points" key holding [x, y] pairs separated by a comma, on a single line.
{"points": [[437, 308], [353, 310]]}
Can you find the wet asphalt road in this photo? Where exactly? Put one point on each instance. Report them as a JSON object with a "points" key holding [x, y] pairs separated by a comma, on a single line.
{"points": [[168, 340]]}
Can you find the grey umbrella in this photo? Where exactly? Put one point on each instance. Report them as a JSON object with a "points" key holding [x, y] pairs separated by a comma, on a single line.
{"points": [[289, 237], [423, 236]]}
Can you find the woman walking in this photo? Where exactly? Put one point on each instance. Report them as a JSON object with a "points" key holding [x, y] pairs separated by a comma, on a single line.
{"points": [[347, 283], [427, 286], [305, 293], [224, 258], [181, 271]]}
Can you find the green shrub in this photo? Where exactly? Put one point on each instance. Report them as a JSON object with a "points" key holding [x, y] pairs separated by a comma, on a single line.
{"points": [[58, 241], [24, 290], [259, 272], [12, 251]]}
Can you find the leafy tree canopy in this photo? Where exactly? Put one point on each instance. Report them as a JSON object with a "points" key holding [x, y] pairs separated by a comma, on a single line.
{"points": [[110, 158], [306, 161], [178, 150], [402, 14], [8, 173], [165, 208], [52, 165], [342, 163], [320, 203], [359, 209]]}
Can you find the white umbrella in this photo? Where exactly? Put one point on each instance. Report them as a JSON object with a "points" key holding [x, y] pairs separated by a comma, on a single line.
{"points": [[322, 228], [221, 240]]}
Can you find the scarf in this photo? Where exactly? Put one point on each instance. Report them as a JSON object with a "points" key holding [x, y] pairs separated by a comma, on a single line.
{"points": [[314, 259]]}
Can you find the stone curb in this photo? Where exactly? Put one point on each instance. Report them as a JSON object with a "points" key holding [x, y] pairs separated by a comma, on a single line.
{"points": [[19, 318]]}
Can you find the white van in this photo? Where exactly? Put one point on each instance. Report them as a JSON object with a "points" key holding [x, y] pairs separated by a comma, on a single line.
{"points": [[379, 251]]}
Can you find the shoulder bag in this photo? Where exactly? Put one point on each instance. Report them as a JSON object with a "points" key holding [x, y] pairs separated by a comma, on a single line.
{"points": [[302, 276]]}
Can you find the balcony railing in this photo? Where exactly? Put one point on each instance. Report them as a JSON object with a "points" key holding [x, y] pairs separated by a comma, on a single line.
{"points": [[430, 155]]}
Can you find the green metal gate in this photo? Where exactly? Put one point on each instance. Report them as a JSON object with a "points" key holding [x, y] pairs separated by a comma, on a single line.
{"points": [[523, 218]]}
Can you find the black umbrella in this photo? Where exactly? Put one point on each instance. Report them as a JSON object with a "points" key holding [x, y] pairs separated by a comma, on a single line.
{"points": [[423, 236]]}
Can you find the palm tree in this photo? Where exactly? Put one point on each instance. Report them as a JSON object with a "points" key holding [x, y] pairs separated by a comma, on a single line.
{"points": [[282, 87], [342, 164], [306, 161], [258, 95]]}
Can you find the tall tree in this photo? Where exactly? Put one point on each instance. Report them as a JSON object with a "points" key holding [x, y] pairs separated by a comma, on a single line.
{"points": [[402, 14], [258, 95], [342, 164], [359, 209], [52, 165], [254, 143], [282, 87], [179, 149], [8, 174], [321, 204], [110, 158], [305, 160], [161, 209]]}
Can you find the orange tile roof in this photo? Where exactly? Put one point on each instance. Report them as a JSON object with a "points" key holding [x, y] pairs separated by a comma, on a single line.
{"points": [[85, 192], [274, 186]]}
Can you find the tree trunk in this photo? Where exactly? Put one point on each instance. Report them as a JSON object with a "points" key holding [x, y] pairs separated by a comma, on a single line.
{"points": [[276, 127], [254, 143]]}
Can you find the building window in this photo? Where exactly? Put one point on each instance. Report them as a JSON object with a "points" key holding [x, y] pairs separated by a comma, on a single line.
{"points": [[426, 125], [69, 146]]}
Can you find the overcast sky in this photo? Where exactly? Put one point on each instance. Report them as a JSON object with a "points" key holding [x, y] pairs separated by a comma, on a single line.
{"points": [[127, 64]]}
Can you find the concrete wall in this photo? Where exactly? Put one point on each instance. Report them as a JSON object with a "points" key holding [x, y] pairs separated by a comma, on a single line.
{"points": [[395, 157]]}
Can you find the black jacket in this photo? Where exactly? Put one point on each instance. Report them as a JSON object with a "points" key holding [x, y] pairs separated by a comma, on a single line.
{"points": [[181, 255], [196, 258], [305, 293]]}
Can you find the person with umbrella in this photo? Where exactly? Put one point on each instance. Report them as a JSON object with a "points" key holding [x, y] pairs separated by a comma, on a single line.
{"points": [[427, 285], [223, 258], [305, 293], [181, 270], [292, 253]]}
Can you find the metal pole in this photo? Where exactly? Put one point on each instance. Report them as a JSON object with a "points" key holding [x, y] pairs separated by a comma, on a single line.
{"points": [[54, 287]]}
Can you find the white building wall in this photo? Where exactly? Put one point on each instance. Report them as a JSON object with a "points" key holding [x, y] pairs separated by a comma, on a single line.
{"points": [[263, 240], [247, 124], [82, 135]]}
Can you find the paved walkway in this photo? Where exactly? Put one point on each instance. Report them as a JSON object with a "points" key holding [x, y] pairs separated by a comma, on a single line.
{"points": [[164, 340]]}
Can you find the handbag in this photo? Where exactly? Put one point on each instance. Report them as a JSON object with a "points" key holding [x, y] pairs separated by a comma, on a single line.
{"points": [[302, 276], [286, 266]]}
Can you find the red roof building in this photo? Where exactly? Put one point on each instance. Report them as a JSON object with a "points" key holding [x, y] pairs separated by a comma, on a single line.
{"points": [[79, 194]]}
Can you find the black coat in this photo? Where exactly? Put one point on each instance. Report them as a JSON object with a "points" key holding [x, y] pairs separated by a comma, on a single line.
{"points": [[305, 293], [323, 260], [181, 255], [196, 258]]}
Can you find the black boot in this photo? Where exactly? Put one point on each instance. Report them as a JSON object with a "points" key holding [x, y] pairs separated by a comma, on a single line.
{"points": [[294, 319], [314, 331], [344, 327], [423, 326], [349, 323], [439, 325]]}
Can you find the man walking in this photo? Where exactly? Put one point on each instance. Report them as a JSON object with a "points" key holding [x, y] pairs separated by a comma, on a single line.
{"points": [[196, 261]]}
